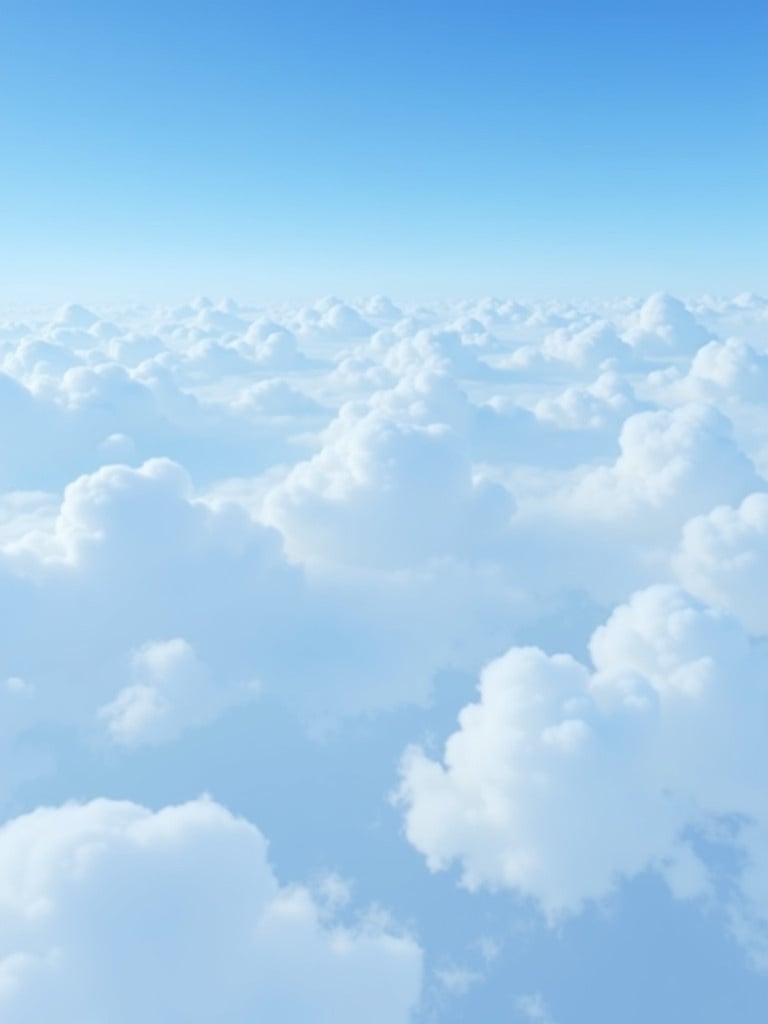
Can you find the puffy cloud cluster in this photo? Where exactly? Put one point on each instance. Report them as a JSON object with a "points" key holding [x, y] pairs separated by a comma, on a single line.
{"points": [[231, 478], [328, 509]]}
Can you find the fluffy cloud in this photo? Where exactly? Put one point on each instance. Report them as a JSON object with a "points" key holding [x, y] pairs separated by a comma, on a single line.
{"points": [[586, 345], [606, 401], [170, 691], [723, 558], [562, 780], [130, 558], [276, 398], [134, 557], [673, 464], [663, 324], [109, 911], [727, 373], [392, 485]]}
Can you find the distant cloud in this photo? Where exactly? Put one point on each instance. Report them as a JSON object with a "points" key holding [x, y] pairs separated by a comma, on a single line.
{"points": [[534, 1009]]}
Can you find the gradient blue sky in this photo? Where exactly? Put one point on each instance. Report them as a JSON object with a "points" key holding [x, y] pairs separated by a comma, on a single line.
{"points": [[159, 149]]}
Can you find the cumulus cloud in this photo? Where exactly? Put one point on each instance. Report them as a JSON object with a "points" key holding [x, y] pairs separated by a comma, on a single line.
{"points": [[663, 324], [276, 398], [562, 779], [672, 465], [728, 373], [392, 485], [586, 345], [170, 691], [131, 558], [723, 558], [114, 912], [606, 401], [75, 316]]}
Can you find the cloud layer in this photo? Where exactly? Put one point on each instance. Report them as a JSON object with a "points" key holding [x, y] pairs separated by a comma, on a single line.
{"points": [[334, 513]]}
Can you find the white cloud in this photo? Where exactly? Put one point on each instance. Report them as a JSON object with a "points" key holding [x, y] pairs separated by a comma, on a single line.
{"points": [[723, 558], [391, 486], [170, 692], [606, 401], [586, 345], [728, 374], [132, 558], [113, 912], [275, 397], [561, 780], [663, 325], [673, 464], [75, 316]]}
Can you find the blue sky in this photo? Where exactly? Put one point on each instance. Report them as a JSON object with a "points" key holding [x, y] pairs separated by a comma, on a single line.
{"points": [[297, 149]]}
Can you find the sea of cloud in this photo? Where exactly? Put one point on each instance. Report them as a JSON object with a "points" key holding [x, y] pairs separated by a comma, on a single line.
{"points": [[207, 508]]}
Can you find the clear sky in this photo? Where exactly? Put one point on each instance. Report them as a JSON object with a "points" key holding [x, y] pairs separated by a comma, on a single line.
{"points": [[264, 149]]}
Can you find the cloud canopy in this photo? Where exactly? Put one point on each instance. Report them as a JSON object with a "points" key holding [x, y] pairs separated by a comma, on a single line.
{"points": [[261, 551]]}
